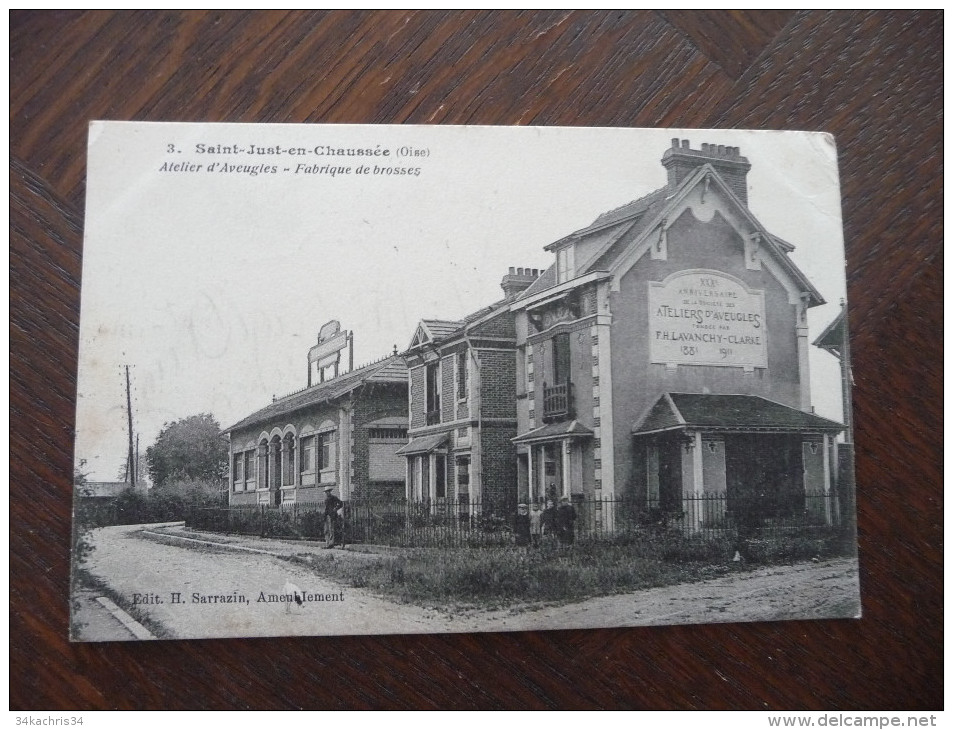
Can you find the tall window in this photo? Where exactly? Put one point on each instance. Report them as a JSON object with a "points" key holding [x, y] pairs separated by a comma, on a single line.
{"points": [[325, 449], [549, 461], [463, 475], [557, 395], [425, 477], [264, 479], [307, 454], [561, 359], [274, 464], [462, 360], [288, 454], [238, 474], [440, 476], [414, 490], [565, 264], [249, 458], [433, 393]]}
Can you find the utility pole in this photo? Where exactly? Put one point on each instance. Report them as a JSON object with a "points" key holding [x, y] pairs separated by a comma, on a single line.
{"points": [[132, 453]]}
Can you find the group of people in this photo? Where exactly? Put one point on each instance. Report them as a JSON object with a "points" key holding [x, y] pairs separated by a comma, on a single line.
{"points": [[534, 524]]}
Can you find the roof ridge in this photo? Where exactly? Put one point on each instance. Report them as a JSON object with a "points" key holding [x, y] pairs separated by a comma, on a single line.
{"points": [[335, 380], [325, 391], [603, 218]]}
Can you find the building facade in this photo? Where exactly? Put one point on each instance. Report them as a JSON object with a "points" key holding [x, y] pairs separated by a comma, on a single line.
{"points": [[341, 433], [462, 380], [664, 355]]}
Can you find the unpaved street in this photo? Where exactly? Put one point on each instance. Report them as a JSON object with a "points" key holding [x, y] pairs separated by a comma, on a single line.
{"points": [[807, 591], [130, 563]]}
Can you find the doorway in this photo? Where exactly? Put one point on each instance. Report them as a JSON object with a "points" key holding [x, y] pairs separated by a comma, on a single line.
{"points": [[765, 475]]}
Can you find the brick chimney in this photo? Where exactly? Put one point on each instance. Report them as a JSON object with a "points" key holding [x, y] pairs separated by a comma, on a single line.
{"points": [[680, 160], [518, 280]]}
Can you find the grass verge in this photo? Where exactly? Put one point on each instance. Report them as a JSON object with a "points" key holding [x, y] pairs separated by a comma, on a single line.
{"points": [[502, 576], [499, 577]]}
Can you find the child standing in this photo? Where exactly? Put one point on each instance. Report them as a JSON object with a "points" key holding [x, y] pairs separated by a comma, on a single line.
{"points": [[536, 524], [521, 526]]}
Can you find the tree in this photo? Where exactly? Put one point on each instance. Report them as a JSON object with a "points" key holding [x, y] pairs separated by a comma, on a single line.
{"points": [[191, 448], [142, 471]]}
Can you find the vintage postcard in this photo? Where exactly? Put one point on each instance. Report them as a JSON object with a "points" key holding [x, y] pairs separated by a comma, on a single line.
{"points": [[413, 379]]}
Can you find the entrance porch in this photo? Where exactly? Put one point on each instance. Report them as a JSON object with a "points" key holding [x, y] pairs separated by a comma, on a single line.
{"points": [[711, 460]]}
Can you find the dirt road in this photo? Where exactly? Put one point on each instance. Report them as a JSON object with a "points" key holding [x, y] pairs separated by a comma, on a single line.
{"points": [[828, 589], [147, 573]]}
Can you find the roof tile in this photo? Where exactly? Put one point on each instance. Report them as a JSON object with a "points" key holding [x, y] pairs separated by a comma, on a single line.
{"points": [[389, 370]]}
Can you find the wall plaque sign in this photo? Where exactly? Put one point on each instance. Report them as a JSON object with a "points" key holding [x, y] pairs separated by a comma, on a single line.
{"points": [[702, 317]]}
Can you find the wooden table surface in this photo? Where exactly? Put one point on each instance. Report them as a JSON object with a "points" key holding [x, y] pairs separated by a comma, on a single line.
{"points": [[874, 80]]}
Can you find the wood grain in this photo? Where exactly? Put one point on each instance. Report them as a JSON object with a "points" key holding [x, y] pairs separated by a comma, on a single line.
{"points": [[874, 80]]}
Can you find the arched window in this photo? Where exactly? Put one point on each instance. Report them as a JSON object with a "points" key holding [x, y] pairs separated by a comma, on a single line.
{"points": [[288, 460], [263, 480], [274, 462]]}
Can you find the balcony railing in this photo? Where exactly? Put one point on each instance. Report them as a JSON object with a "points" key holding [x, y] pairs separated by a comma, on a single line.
{"points": [[557, 402]]}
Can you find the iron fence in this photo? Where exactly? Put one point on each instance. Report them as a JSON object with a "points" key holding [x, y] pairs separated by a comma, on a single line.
{"points": [[446, 523]]}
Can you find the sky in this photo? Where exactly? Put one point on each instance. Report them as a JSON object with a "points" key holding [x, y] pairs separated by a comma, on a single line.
{"points": [[212, 284]]}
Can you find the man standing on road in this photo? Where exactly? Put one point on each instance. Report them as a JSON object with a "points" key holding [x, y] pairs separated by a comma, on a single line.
{"points": [[333, 519]]}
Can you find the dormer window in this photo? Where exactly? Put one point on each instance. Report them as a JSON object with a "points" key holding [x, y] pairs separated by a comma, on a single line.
{"points": [[432, 393], [565, 264]]}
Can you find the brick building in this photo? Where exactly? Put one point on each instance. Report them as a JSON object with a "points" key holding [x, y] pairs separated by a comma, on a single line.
{"points": [[664, 354], [462, 412], [343, 432]]}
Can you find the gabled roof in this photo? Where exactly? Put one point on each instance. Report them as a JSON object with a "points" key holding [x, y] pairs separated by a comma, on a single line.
{"points": [[545, 281], [423, 444], [440, 328], [634, 220], [389, 370], [662, 416], [628, 213], [832, 338], [729, 413], [640, 223], [432, 330], [437, 331], [554, 431], [483, 313]]}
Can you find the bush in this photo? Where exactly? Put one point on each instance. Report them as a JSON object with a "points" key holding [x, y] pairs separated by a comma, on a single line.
{"points": [[311, 525], [169, 503], [188, 493]]}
